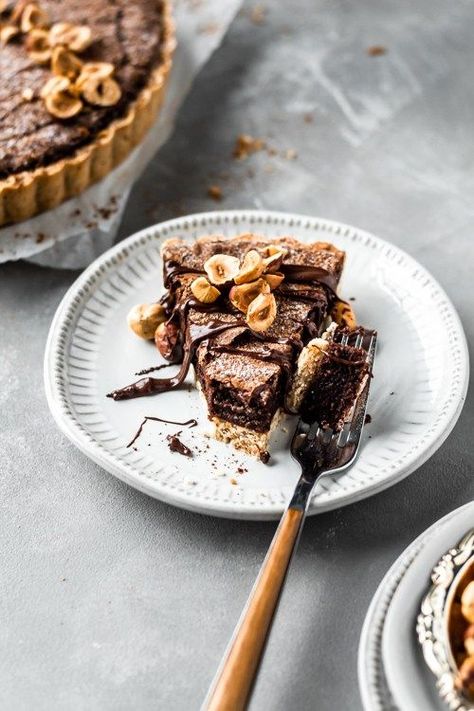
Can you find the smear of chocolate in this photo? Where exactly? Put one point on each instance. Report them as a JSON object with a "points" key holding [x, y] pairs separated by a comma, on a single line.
{"points": [[175, 445], [188, 423], [367, 419]]}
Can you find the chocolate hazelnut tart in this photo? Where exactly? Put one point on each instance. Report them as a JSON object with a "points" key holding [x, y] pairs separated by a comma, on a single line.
{"points": [[82, 82], [260, 321]]}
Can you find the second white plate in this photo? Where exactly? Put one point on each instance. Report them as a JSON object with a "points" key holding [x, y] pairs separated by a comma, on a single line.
{"points": [[417, 393]]}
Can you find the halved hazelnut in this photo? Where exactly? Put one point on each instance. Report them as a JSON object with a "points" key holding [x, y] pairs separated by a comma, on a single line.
{"points": [[252, 267], [144, 319], [221, 268], [467, 602], [241, 296], [33, 16], [95, 69], [273, 280], [469, 640], [53, 85], [343, 315], [100, 91], [77, 38], [38, 47], [262, 312], [204, 291], [7, 33], [273, 262], [65, 63], [62, 104]]}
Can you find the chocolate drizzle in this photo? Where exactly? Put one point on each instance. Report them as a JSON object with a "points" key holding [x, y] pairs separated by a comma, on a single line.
{"points": [[315, 276], [188, 423]]}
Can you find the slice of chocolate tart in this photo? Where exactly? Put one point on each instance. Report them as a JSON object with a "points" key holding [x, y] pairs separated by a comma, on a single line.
{"points": [[241, 310]]}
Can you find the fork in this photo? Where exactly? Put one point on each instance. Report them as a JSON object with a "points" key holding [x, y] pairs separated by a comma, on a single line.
{"points": [[320, 452]]}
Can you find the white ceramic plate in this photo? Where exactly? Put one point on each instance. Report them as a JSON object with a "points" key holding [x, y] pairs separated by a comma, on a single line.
{"points": [[417, 393], [392, 672]]}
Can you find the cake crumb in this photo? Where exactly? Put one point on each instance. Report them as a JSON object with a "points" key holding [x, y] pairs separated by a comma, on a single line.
{"points": [[215, 192], [27, 94], [308, 118], [376, 50], [245, 145], [211, 28], [290, 154], [257, 14], [233, 481]]}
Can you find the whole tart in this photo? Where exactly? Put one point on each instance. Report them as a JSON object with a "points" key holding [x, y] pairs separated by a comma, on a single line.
{"points": [[82, 82]]}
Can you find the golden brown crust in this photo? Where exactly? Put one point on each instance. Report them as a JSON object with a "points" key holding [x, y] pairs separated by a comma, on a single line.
{"points": [[27, 194]]}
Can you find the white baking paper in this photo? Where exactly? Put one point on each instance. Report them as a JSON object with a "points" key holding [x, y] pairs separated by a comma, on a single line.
{"points": [[76, 232]]}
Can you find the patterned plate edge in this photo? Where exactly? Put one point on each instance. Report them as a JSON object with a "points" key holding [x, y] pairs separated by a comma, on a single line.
{"points": [[73, 300]]}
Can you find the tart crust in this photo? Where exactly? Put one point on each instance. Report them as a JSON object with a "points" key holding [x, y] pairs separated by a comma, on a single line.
{"points": [[31, 192]]}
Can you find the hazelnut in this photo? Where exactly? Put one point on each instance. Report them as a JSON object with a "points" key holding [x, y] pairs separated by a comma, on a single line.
{"points": [[144, 319], [343, 315], [274, 280], [204, 291], [65, 63], [167, 341], [32, 16], [37, 46], [261, 312], [77, 38], [467, 602], [221, 268], [95, 69], [469, 640], [273, 262], [252, 267], [7, 33], [465, 677], [242, 295], [62, 104], [100, 91]]}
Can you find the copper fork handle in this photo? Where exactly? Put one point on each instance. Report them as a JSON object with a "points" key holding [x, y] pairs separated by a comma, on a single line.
{"points": [[233, 682]]}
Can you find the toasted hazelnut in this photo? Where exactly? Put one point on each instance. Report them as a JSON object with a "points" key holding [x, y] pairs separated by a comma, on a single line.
{"points": [[465, 677], [273, 280], [54, 85], [33, 16], [167, 341], [469, 640], [77, 38], [100, 91], [7, 33], [65, 63], [252, 267], [204, 291], [144, 319], [241, 296], [261, 312], [273, 262], [37, 46], [467, 602], [95, 69], [343, 314], [221, 268], [62, 104]]}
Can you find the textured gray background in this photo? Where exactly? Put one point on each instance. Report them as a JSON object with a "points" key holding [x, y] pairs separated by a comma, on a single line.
{"points": [[111, 600]]}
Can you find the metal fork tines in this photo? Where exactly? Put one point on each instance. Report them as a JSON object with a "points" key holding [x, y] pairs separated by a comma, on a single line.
{"points": [[321, 451]]}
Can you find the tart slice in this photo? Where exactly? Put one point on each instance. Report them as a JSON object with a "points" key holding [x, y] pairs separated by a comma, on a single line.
{"points": [[243, 310]]}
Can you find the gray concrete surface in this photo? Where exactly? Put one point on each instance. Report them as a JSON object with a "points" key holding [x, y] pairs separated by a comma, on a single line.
{"points": [[113, 601]]}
